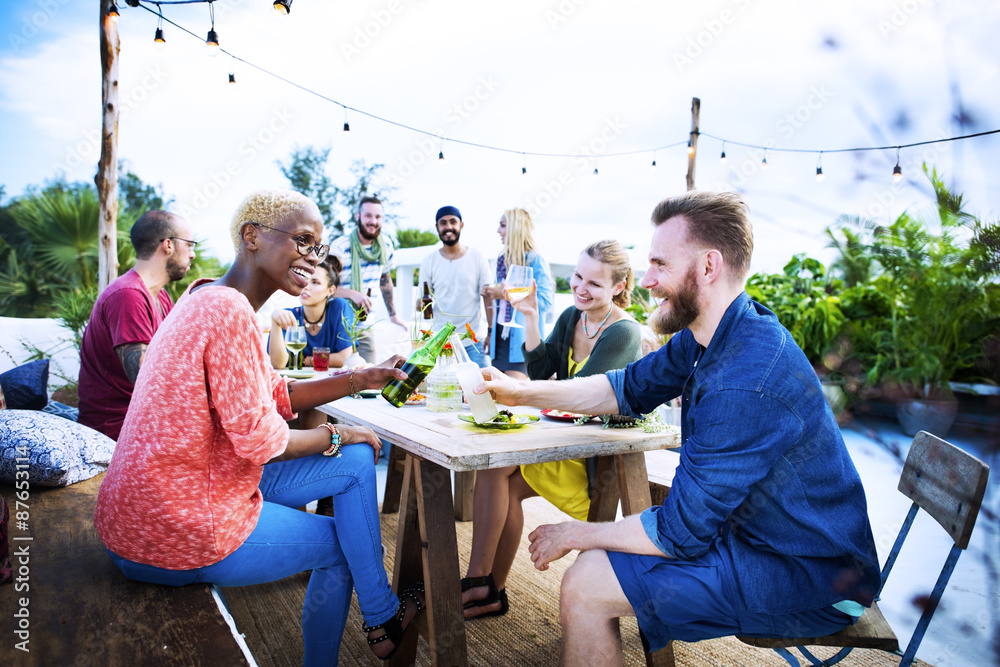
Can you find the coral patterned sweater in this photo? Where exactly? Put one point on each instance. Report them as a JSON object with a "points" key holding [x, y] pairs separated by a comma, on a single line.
{"points": [[207, 413]]}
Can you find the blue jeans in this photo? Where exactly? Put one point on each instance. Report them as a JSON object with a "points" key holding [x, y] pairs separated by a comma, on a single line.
{"points": [[287, 541], [475, 352]]}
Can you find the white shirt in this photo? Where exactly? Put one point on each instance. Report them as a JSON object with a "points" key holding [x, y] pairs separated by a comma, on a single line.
{"points": [[455, 285]]}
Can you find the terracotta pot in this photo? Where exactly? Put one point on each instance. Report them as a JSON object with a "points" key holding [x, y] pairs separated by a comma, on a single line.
{"points": [[935, 417]]}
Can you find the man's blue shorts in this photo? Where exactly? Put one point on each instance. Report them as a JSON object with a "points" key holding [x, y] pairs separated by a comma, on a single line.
{"points": [[691, 600]]}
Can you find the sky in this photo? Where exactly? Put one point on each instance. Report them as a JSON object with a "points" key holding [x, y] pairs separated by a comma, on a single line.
{"points": [[583, 79]]}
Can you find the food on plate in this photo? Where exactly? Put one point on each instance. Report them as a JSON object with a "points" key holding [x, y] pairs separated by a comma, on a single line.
{"points": [[565, 415], [416, 398], [503, 417]]}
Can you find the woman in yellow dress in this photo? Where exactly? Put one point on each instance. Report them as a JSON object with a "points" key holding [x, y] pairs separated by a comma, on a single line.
{"points": [[592, 336]]}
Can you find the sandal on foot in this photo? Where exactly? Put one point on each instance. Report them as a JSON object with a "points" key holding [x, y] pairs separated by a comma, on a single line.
{"points": [[492, 597], [393, 630]]}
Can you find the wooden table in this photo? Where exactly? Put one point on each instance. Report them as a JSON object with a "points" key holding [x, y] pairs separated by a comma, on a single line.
{"points": [[437, 443]]}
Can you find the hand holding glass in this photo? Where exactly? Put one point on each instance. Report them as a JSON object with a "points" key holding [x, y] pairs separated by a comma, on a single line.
{"points": [[517, 285], [295, 341]]}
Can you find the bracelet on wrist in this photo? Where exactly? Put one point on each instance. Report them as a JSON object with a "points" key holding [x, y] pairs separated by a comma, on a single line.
{"points": [[354, 394], [335, 441]]}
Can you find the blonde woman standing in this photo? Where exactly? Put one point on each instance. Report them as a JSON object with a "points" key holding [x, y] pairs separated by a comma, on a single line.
{"points": [[516, 231]]}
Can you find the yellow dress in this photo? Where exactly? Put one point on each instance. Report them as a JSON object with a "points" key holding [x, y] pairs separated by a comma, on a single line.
{"points": [[562, 483]]}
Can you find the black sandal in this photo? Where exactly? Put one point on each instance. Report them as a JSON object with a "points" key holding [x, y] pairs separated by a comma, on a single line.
{"points": [[492, 597], [393, 628]]}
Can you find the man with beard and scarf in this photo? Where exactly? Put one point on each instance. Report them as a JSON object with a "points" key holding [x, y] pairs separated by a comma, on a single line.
{"points": [[456, 274], [367, 261], [765, 530], [125, 317]]}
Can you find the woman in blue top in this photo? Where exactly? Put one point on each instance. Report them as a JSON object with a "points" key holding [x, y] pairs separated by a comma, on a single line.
{"points": [[518, 250], [325, 318]]}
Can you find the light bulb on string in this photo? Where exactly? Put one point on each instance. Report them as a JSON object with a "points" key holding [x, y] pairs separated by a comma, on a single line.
{"points": [[690, 148], [819, 169], [113, 12], [897, 171], [763, 162], [212, 41], [441, 151], [653, 165], [283, 7], [722, 158], [158, 39], [232, 77], [524, 164], [596, 173], [347, 126]]}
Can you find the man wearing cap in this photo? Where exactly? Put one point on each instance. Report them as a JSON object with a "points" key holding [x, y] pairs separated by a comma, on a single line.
{"points": [[455, 274]]}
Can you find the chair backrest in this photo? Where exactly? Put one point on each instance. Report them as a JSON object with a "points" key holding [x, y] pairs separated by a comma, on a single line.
{"points": [[945, 482]]}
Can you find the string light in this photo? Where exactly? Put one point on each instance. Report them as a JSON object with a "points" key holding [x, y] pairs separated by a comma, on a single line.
{"points": [[524, 164], [653, 166], [212, 41], [595, 168], [283, 7], [819, 169], [347, 126], [441, 150], [214, 47], [158, 39], [113, 12]]}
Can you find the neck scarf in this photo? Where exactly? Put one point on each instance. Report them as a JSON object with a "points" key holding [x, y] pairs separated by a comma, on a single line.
{"points": [[376, 253]]}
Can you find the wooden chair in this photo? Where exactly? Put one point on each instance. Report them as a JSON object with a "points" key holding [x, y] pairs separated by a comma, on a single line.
{"points": [[949, 485]]}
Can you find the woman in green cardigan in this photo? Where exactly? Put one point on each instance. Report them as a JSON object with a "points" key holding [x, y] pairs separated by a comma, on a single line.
{"points": [[593, 336]]}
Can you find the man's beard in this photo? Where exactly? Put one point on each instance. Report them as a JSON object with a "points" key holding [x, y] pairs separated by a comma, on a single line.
{"points": [[176, 271], [449, 241], [364, 234], [683, 311]]}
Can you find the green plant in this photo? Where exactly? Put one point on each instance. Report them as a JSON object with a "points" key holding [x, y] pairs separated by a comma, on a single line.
{"points": [[805, 302], [562, 285], [412, 237], [933, 302]]}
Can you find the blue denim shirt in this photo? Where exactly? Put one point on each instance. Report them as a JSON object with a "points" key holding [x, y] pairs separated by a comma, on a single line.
{"points": [[763, 466]]}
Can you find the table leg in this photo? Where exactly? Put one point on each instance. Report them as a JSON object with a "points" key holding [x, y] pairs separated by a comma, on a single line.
{"points": [[465, 486], [393, 480], [604, 500], [633, 483], [427, 548]]}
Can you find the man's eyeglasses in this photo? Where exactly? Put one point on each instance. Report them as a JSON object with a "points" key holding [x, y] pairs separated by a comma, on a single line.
{"points": [[193, 244], [303, 245]]}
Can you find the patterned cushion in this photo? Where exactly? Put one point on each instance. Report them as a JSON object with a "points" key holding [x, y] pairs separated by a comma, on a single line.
{"points": [[62, 410], [25, 387], [57, 452]]}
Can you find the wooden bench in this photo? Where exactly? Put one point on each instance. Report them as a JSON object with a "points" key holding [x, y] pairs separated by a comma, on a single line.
{"points": [[83, 611]]}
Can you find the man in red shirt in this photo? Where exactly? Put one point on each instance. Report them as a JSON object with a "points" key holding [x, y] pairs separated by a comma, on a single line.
{"points": [[125, 317]]}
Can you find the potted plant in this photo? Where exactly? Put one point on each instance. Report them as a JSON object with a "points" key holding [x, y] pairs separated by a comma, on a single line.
{"points": [[935, 304]]}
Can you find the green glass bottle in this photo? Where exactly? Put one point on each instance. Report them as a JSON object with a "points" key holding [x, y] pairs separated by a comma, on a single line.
{"points": [[417, 367]]}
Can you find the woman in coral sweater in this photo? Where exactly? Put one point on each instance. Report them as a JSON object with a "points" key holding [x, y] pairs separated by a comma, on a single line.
{"points": [[206, 474]]}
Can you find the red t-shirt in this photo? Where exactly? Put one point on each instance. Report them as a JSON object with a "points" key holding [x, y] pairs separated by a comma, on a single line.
{"points": [[124, 313], [207, 413]]}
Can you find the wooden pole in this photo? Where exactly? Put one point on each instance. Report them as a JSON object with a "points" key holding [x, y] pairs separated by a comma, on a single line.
{"points": [[693, 151], [107, 169]]}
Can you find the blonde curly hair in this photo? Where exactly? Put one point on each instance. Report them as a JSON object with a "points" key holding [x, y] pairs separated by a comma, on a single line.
{"points": [[268, 207]]}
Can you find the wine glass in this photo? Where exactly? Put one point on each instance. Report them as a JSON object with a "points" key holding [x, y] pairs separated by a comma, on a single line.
{"points": [[517, 285], [295, 341]]}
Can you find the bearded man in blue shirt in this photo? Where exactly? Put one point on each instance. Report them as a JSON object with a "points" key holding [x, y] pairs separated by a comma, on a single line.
{"points": [[765, 530]]}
